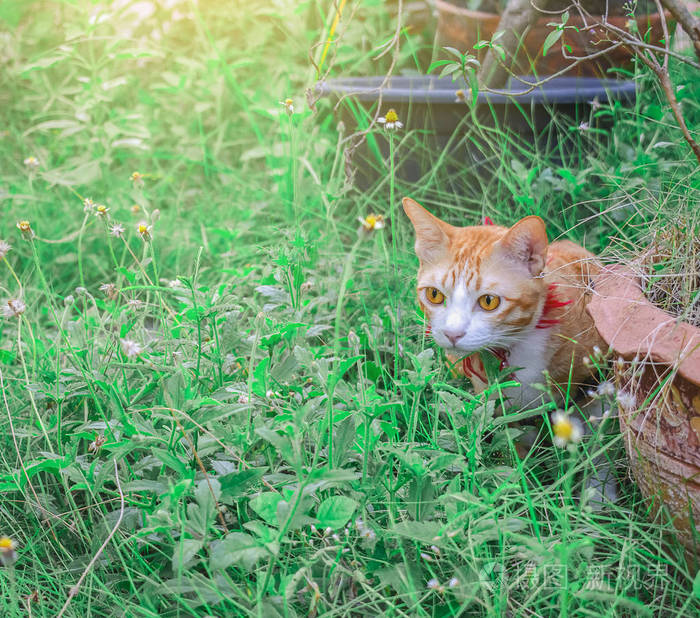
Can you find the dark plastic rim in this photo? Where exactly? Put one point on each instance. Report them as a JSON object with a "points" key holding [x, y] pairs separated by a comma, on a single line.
{"points": [[430, 89]]}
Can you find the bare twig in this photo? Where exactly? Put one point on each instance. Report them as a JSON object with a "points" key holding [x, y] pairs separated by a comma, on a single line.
{"points": [[687, 20]]}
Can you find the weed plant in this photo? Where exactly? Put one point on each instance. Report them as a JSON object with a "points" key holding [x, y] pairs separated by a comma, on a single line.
{"points": [[217, 395]]}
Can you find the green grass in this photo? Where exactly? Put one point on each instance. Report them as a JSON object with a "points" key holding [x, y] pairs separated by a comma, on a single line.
{"points": [[284, 379]]}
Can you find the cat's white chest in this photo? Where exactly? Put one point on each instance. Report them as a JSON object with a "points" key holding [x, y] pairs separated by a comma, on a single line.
{"points": [[533, 355]]}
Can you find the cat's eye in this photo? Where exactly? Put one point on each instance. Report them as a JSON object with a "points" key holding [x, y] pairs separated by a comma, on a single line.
{"points": [[489, 302], [435, 296]]}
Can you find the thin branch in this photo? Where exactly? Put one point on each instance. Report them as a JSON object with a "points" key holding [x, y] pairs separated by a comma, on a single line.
{"points": [[687, 20]]}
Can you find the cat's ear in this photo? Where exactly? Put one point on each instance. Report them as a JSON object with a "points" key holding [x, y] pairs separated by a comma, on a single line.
{"points": [[432, 234], [526, 244]]}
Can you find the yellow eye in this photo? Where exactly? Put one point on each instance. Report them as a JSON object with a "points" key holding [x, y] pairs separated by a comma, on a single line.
{"points": [[489, 302], [435, 296]]}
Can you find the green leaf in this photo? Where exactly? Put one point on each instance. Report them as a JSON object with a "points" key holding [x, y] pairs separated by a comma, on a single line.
{"points": [[454, 52], [259, 375], [336, 511], [234, 484], [450, 68], [696, 586], [551, 39], [265, 505], [236, 548], [185, 551], [425, 532], [170, 461]]}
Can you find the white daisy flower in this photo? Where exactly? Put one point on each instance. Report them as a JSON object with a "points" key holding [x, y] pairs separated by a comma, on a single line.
{"points": [[391, 121], [31, 163], [13, 308], [606, 389], [117, 230], [145, 231], [130, 348], [566, 429], [626, 400], [4, 248], [110, 290], [88, 205], [288, 105], [372, 222]]}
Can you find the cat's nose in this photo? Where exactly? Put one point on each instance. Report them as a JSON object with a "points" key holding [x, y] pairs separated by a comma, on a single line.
{"points": [[454, 335]]}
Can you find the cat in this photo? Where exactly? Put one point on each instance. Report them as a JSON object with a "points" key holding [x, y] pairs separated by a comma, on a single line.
{"points": [[509, 291]]}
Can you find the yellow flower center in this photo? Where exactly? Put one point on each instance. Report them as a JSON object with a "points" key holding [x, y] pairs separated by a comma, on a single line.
{"points": [[392, 116], [371, 220], [24, 226], [288, 102], [102, 209], [460, 94], [564, 429], [143, 229], [6, 543], [135, 208]]}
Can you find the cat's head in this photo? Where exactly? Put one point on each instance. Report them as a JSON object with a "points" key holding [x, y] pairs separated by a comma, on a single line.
{"points": [[480, 286]]}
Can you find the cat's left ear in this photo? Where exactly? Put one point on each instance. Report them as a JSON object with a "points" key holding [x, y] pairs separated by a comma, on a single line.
{"points": [[526, 244]]}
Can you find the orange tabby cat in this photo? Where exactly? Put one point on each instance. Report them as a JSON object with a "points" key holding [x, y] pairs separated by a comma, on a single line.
{"points": [[509, 291]]}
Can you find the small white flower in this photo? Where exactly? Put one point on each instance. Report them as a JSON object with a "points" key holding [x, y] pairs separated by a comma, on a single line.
{"points": [[434, 584], [130, 348], [368, 534], [88, 205], [13, 308], [566, 429], [626, 400], [69, 300], [391, 121], [371, 222], [596, 351], [288, 105], [80, 290], [453, 582], [31, 163], [101, 211], [110, 290], [4, 248], [137, 179], [145, 231], [243, 398], [460, 96], [26, 228], [117, 230], [8, 555], [606, 389], [584, 126], [134, 303], [595, 104]]}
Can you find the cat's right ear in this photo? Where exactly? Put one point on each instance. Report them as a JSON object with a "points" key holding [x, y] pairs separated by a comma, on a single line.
{"points": [[432, 234]]}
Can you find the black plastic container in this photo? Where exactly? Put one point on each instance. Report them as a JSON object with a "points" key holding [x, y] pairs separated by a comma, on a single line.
{"points": [[547, 119]]}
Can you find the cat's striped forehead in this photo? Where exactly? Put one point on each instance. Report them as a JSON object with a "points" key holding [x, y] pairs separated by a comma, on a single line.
{"points": [[469, 249]]}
